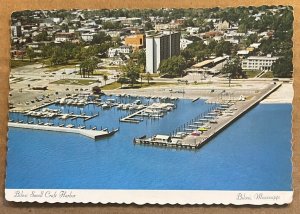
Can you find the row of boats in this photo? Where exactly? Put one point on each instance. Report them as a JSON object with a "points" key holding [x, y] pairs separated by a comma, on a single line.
{"points": [[109, 103], [44, 113], [155, 110], [147, 97], [72, 101]]}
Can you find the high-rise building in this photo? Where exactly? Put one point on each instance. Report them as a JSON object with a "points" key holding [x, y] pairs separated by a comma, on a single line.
{"points": [[16, 30], [160, 47]]}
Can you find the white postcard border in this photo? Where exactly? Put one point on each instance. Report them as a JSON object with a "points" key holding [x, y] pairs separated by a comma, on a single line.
{"points": [[141, 197]]}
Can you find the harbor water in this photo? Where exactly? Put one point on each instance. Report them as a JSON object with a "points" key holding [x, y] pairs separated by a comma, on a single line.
{"points": [[254, 153]]}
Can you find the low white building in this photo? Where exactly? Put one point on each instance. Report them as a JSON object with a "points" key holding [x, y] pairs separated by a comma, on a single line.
{"points": [[184, 43], [263, 63], [56, 20], [112, 52], [243, 53], [192, 30], [87, 37], [255, 45], [114, 33]]}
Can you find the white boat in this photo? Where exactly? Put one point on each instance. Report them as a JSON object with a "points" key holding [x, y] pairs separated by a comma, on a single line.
{"points": [[137, 102], [62, 101], [65, 116], [105, 106], [120, 106]]}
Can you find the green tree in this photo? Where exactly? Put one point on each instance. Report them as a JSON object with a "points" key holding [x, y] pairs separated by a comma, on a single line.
{"points": [[47, 51], [173, 67], [112, 25], [105, 78], [283, 67], [223, 47], [43, 36], [30, 53], [148, 26], [122, 80], [88, 66], [242, 28], [148, 77], [131, 71], [141, 59], [101, 38], [233, 69], [58, 56]]}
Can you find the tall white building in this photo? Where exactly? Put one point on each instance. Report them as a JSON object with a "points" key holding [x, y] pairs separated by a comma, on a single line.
{"points": [[263, 63], [16, 30], [160, 47]]}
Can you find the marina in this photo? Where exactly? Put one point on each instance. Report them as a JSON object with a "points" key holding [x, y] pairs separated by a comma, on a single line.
{"points": [[136, 109], [155, 110]]}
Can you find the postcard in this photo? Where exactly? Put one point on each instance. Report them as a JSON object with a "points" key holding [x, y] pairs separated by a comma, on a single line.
{"points": [[165, 106]]}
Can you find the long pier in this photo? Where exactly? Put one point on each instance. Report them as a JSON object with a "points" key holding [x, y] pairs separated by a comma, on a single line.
{"points": [[94, 134], [223, 121]]}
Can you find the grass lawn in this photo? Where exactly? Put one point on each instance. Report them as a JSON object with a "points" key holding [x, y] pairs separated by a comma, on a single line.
{"points": [[111, 86], [100, 73], [20, 63], [144, 75], [268, 74], [145, 85], [116, 85], [252, 73], [74, 81], [110, 67], [201, 83]]}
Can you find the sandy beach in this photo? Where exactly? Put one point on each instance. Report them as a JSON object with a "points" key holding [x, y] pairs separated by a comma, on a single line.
{"points": [[284, 94]]}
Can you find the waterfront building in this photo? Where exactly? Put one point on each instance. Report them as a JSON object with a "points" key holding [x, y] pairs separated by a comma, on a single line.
{"points": [[160, 47], [263, 63]]}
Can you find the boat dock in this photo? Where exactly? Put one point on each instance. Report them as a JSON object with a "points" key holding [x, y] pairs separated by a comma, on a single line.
{"points": [[130, 119], [223, 120], [155, 110], [94, 134]]}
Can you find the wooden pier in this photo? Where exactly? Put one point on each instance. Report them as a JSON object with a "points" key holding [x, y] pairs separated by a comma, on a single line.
{"points": [[221, 122]]}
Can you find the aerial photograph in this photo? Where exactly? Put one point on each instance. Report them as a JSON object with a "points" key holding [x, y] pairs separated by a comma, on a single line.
{"points": [[151, 99]]}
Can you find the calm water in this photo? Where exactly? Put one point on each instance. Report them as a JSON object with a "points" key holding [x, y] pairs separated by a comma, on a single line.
{"points": [[252, 154]]}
